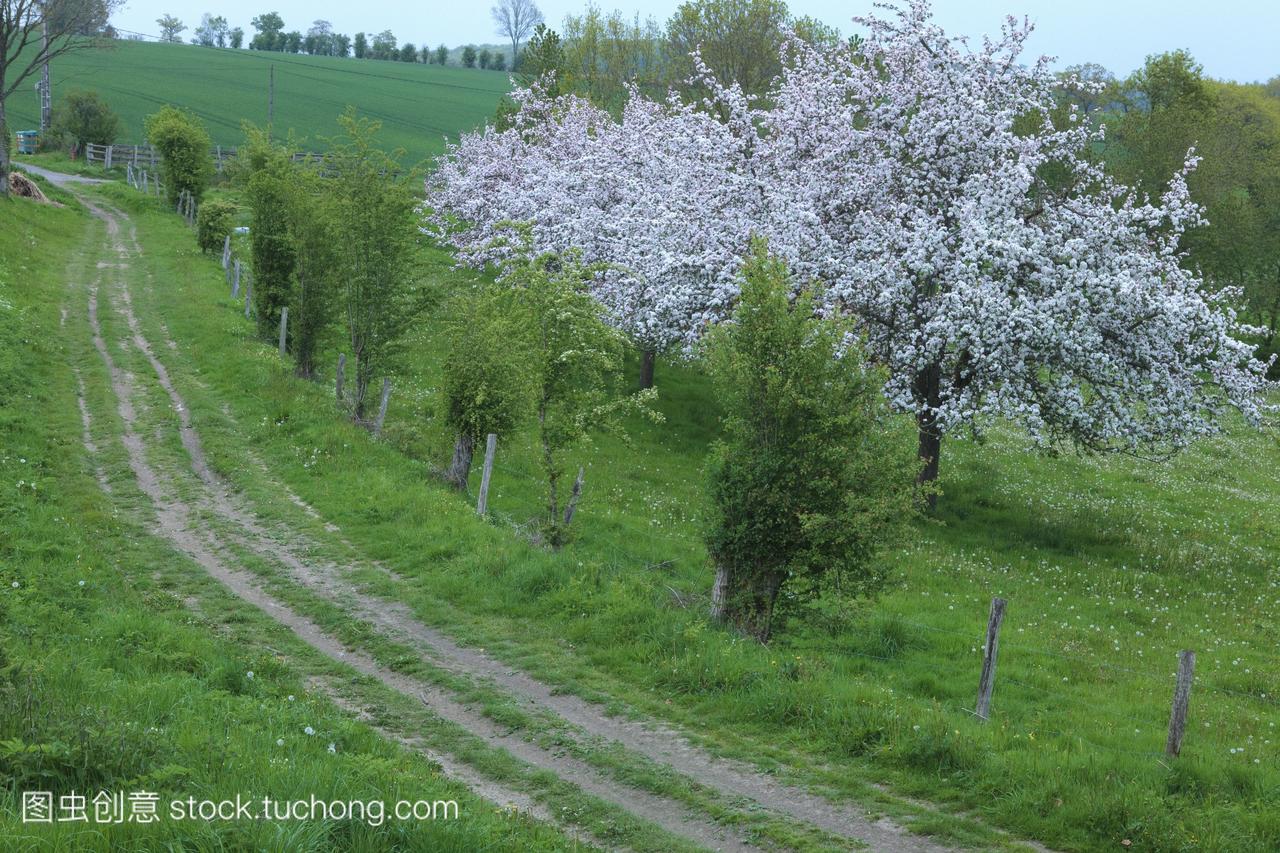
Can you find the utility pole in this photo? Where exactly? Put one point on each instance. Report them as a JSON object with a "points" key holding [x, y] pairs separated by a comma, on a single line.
{"points": [[271, 100], [46, 96]]}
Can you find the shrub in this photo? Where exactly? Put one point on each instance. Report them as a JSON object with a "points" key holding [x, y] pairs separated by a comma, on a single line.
{"points": [[487, 373], [183, 144], [807, 479], [265, 167], [214, 221], [82, 118]]}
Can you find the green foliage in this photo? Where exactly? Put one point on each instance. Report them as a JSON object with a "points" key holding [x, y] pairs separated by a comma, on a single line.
{"points": [[487, 383], [469, 56], [313, 231], [374, 212], [577, 364], [809, 481], [738, 40], [214, 221], [267, 168], [82, 118], [183, 144]]}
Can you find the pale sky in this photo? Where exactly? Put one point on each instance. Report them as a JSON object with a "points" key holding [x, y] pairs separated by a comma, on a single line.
{"points": [[1233, 39]]}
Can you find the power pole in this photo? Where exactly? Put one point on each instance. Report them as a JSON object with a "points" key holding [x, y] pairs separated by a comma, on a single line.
{"points": [[271, 99], [46, 96]]}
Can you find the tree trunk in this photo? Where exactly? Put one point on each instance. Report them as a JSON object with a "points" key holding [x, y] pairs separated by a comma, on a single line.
{"points": [[745, 600], [4, 149], [647, 358], [460, 468], [928, 397]]}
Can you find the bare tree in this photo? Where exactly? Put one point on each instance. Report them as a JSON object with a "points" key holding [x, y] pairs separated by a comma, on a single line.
{"points": [[34, 32], [515, 20]]}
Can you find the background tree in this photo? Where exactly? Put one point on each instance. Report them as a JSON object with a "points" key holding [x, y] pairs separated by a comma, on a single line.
{"points": [[606, 54], [544, 59], [171, 28], [426, 55], [408, 52], [442, 55], [808, 481], [183, 144], [516, 19], [82, 118], [384, 46], [374, 210], [484, 58], [341, 45], [236, 38], [320, 38], [361, 46], [291, 42], [268, 36], [739, 41], [212, 31], [469, 56], [499, 61], [487, 384]]}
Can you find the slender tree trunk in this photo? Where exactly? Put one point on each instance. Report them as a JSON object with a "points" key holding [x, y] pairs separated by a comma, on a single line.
{"points": [[745, 600], [929, 397], [4, 147], [460, 468], [647, 358]]}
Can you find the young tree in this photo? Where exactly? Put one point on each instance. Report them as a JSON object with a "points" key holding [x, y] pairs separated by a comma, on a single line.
{"points": [[739, 40], [82, 118], [499, 61], [171, 28], [469, 56], [374, 211], [577, 362], [808, 481], [214, 221], [313, 232], [183, 144], [212, 31], [272, 249], [426, 55], [69, 25], [488, 381], [361, 46], [515, 19], [442, 55], [484, 58], [236, 38]]}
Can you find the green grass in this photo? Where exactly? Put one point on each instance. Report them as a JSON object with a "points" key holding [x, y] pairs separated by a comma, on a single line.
{"points": [[122, 668], [419, 105], [1110, 567]]}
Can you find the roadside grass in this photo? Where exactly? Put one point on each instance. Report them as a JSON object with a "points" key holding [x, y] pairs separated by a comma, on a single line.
{"points": [[110, 676], [1110, 567]]}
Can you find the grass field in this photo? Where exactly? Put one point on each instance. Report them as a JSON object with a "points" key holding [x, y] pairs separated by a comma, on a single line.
{"points": [[1110, 566], [419, 105]]}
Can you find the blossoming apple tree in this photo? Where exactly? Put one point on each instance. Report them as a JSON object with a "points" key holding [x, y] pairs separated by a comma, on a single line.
{"points": [[923, 183]]}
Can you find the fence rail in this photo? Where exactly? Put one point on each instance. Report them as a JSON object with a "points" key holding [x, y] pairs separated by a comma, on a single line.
{"points": [[145, 155]]}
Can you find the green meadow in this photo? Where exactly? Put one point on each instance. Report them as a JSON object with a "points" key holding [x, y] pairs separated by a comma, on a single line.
{"points": [[419, 105]]}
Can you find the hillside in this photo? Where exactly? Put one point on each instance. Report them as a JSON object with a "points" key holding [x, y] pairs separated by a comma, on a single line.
{"points": [[419, 105]]}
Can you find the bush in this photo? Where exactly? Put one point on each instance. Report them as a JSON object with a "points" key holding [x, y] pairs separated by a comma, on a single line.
{"points": [[82, 118], [214, 221], [488, 382], [183, 144], [266, 168], [808, 479]]}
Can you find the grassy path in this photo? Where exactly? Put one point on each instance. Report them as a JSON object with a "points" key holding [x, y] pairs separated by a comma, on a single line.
{"points": [[627, 783]]}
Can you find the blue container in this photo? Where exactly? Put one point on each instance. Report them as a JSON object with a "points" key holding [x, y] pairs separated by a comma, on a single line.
{"points": [[27, 141]]}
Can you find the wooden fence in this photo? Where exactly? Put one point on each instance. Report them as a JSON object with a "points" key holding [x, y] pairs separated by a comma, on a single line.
{"points": [[144, 155]]}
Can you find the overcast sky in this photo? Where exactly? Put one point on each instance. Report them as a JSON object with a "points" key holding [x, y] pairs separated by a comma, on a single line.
{"points": [[1234, 39]]}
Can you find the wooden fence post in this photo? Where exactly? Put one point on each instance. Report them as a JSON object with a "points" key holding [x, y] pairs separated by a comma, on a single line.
{"points": [[988, 680], [107, 161], [226, 252], [342, 371], [482, 502], [235, 285], [284, 325], [248, 296], [573, 497], [144, 181], [1181, 699], [382, 407]]}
